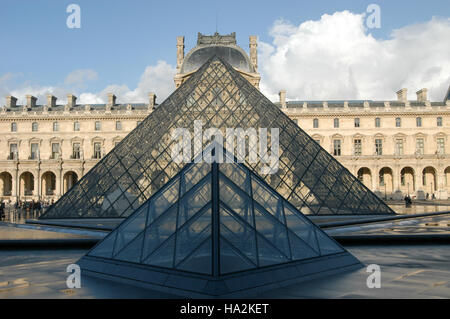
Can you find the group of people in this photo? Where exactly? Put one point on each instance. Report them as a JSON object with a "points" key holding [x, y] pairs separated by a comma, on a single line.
{"points": [[35, 207]]}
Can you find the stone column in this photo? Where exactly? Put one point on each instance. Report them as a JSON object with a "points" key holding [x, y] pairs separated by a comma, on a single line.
{"points": [[15, 186], [36, 186]]}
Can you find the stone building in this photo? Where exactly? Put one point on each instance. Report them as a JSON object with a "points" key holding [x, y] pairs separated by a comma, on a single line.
{"points": [[47, 148], [394, 147]]}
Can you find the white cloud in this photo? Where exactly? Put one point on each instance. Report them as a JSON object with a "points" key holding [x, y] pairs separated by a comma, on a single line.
{"points": [[79, 77], [336, 57], [157, 79]]}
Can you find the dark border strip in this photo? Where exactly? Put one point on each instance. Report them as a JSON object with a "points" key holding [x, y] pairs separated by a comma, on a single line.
{"points": [[23, 244], [392, 239], [374, 220]]}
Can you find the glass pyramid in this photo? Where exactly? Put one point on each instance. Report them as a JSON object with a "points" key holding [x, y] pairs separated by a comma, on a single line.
{"points": [[218, 96], [217, 220]]}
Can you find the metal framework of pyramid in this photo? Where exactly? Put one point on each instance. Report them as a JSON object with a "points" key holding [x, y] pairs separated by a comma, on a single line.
{"points": [[308, 176], [216, 230]]}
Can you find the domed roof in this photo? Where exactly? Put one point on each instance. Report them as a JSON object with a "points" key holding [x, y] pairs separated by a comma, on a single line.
{"points": [[231, 54]]}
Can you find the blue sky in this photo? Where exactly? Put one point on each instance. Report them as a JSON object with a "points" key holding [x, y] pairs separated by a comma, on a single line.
{"points": [[119, 39]]}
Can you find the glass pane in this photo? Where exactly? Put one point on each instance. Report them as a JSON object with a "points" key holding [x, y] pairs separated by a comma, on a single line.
{"points": [[131, 228], [192, 202], [133, 251], [231, 259], [105, 247], [160, 230], [272, 230], [235, 199], [327, 245], [190, 236], [269, 255], [200, 261], [267, 199], [238, 234], [236, 174], [301, 227]]}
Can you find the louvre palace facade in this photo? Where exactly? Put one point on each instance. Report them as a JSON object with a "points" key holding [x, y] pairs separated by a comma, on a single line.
{"points": [[394, 147]]}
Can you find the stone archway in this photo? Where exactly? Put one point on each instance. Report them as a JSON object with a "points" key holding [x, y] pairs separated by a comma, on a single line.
{"points": [[26, 182], [365, 176], [429, 180], [447, 178], [5, 184], [48, 183], [70, 178], [407, 180], [386, 181]]}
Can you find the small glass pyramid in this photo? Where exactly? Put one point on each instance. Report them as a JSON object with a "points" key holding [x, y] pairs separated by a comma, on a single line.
{"points": [[219, 97], [217, 220]]}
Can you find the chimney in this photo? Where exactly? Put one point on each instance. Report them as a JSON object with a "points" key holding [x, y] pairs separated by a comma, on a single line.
{"points": [[71, 100], [402, 95], [51, 100], [111, 99], [254, 51], [282, 95], [180, 52], [151, 100], [31, 101], [11, 101], [422, 95]]}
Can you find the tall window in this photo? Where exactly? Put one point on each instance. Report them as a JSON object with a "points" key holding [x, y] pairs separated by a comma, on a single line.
{"points": [[379, 146], [55, 126], [377, 122], [337, 147], [398, 122], [357, 122], [440, 146], [13, 153], [34, 151], [399, 146], [439, 121], [336, 123], [118, 125], [55, 151], [76, 147], [97, 150], [13, 127], [98, 125], [34, 127], [419, 122], [316, 123], [357, 147], [419, 146], [76, 126]]}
